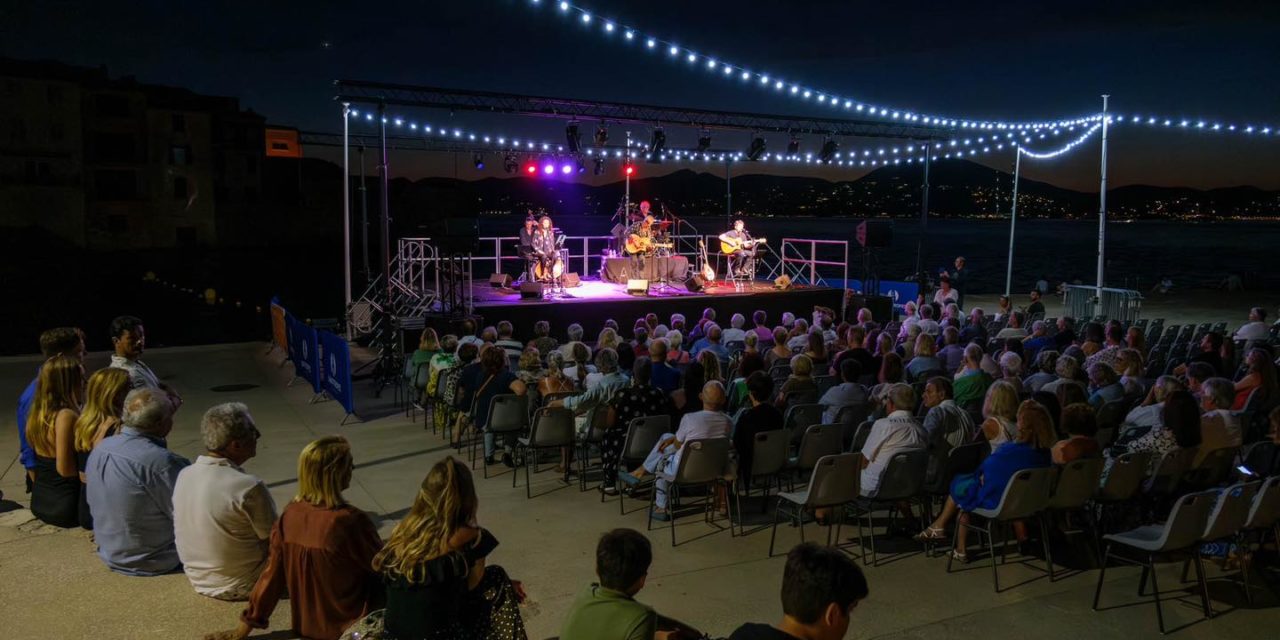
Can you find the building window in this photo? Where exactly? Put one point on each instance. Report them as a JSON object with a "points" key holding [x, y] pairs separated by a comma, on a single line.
{"points": [[114, 147], [116, 184], [118, 223], [114, 106], [179, 122], [180, 154], [180, 188]]}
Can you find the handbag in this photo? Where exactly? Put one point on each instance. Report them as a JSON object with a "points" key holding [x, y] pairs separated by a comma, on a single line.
{"points": [[370, 627]]}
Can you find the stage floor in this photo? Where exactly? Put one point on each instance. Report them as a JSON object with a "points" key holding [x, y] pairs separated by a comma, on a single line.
{"points": [[599, 290]]}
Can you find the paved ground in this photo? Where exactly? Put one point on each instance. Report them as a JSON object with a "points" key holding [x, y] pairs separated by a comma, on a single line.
{"points": [[54, 587]]}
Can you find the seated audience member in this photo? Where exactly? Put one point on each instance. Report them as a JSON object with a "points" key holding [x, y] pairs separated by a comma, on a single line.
{"points": [[321, 553], [780, 353], [494, 379], [926, 324], [676, 353], [713, 345], [640, 345], [945, 421], [434, 571], [556, 381], [1069, 394], [103, 406], [1104, 385], [1134, 338], [130, 340], [53, 342], [999, 414], [821, 586], [1011, 369], [748, 364], [1081, 425], [761, 321], [751, 343], [711, 422], [1147, 414], [1093, 338], [578, 365], [759, 416], [1039, 340], [467, 334], [817, 351], [1209, 352], [488, 335], [976, 329], [952, 352], [1068, 370], [51, 433], [1045, 363], [712, 368], [1259, 378], [129, 482], [651, 321], [848, 392], [678, 322], [640, 399], [799, 337], [735, 332], [446, 358], [971, 381], [608, 339], [222, 516], [699, 330], [1066, 335], [417, 367], [1028, 449], [1050, 402], [507, 343], [896, 432], [573, 334], [856, 337], [1197, 374], [800, 381], [664, 376], [945, 294], [1179, 428], [1036, 306], [923, 361], [607, 610], [1014, 330], [1110, 350], [911, 316], [1129, 367], [1256, 328], [1219, 428], [685, 399]]}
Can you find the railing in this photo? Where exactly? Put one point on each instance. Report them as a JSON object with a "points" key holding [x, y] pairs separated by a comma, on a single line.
{"points": [[801, 254], [1082, 303]]}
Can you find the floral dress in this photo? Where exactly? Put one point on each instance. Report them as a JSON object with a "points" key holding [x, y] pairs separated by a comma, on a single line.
{"points": [[628, 404]]}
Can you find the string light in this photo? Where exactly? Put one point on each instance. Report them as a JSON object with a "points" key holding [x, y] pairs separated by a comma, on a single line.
{"points": [[1045, 155]]}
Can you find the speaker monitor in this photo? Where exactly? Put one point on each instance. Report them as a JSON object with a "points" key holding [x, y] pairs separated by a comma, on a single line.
{"points": [[874, 234], [500, 281], [696, 283], [638, 287], [531, 290], [782, 282], [571, 279]]}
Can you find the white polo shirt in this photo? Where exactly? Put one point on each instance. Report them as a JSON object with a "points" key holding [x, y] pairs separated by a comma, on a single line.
{"points": [[222, 520]]}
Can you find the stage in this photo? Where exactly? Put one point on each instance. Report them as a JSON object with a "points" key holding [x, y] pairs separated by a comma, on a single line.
{"points": [[594, 301]]}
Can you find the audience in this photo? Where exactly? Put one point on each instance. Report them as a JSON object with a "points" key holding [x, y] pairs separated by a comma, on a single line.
{"points": [[1110, 350], [1147, 413], [607, 610], [780, 353], [924, 363], [1045, 364], [685, 398], [417, 367], [952, 352], [514, 348], [664, 376], [1259, 380], [847, 393], [999, 414], [1256, 328], [640, 399], [675, 348], [1080, 424], [735, 332], [761, 321], [1068, 369], [61, 341], [971, 382], [1014, 329], [821, 586], [748, 364], [130, 340], [945, 423], [103, 407], [490, 379], [896, 432], [1104, 385], [222, 516], [800, 382], [1219, 427], [1011, 369], [1179, 428], [129, 483], [816, 351], [51, 433], [759, 416], [1129, 367]]}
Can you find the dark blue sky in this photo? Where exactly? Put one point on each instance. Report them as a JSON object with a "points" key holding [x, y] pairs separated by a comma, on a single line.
{"points": [[998, 60]]}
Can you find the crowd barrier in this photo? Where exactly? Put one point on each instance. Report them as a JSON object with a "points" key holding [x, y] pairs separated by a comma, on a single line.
{"points": [[1082, 302], [320, 357]]}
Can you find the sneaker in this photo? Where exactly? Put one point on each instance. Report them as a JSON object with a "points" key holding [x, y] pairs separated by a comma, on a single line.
{"points": [[609, 490], [660, 516], [508, 461]]}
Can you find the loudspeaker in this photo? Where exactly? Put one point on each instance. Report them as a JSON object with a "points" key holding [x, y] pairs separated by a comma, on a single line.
{"points": [[696, 283], [531, 290], [500, 281], [782, 282], [874, 234], [881, 307], [571, 279], [638, 287]]}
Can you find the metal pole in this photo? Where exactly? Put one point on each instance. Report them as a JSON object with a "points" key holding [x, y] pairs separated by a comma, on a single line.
{"points": [[924, 206], [626, 197], [728, 195], [364, 220], [385, 170], [1013, 220], [1102, 207], [346, 204]]}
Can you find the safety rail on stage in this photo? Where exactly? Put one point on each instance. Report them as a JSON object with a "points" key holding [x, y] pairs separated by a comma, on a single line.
{"points": [[1082, 301]]}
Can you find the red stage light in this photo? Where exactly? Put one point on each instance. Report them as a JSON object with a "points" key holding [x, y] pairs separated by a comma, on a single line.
{"points": [[629, 170], [531, 169]]}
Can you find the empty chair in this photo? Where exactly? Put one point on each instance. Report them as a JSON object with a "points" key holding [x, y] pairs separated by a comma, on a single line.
{"points": [[508, 417], [642, 435], [552, 429], [819, 440], [1260, 458], [903, 481], [768, 460], [1076, 484], [1026, 495], [833, 484], [593, 437], [1183, 528], [1225, 520], [702, 463], [1112, 413], [800, 417], [1169, 472], [1215, 469], [824, 383], [852, 415], [1264, 514]]}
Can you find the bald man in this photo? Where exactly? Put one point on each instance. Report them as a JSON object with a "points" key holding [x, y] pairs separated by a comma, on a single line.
{"points": [[711, 422]]}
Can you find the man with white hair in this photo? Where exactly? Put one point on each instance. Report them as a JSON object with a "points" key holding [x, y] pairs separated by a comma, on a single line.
{"points": [[574, 333], [1219, 428], [129, 483], [711, 422], [896, 432], [912, 317], [975, 329], [1038, 340], [927, 324], [222, 516], [1149, 413], [1257, 328], [735, 332]]}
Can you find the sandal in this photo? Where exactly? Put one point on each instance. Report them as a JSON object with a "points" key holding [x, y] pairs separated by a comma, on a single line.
{"points": [[960, 556], [931, 534]]}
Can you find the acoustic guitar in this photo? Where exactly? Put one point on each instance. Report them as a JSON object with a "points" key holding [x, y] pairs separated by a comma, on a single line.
{"points": [[730, 247], [637, 243], [708, 273]]}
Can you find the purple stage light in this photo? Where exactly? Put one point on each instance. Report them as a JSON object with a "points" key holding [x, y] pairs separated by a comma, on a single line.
{"points": [[566, 169], [549, 169]]}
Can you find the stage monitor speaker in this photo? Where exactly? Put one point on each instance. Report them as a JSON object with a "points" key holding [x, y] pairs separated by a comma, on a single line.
{"points": [[638, 287], [696, 283], [531, 290], [881, 307], [500, 281], [874, 234], [571, 280], [782, 282]]}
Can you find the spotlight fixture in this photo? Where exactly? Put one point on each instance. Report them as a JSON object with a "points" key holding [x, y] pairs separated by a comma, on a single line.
{"points": [[509, 164], [756, 149], [793, 146], [829, 149], [602, 135], [478, 161], [657, 141], [582, 167], [598, 166], [704, 140], [572, 137], [629, 169]]}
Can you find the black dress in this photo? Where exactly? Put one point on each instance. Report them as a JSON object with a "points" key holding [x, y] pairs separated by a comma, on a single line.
{"points": [[55, 500], [86, 518]]}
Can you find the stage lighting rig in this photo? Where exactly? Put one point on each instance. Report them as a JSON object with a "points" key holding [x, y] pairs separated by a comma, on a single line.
{"points": [[704, 140], [573, 137], [657, 141], [829, 149], [509, 164], [756, 149], [793, 146], [478, 161], [602, 136]]}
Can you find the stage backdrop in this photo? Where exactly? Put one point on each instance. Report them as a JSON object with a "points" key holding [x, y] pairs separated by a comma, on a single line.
{"points": [[617, 270], [337, 370], [303, 343]]}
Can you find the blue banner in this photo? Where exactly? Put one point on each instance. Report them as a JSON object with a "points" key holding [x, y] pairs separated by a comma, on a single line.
{"points": [[307, 363], [292, 346], [900, 292], [336, 378]]}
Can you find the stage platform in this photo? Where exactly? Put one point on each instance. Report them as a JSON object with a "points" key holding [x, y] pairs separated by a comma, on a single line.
{"points": [[595, 301]]}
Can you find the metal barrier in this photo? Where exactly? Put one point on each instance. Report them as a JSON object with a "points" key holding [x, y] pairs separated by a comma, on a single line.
{"points": [[1082, 303]]}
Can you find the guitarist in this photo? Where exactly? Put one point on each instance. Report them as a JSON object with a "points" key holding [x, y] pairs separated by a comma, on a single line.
{"points": [[544, 244], [644, 230], [745, 249]]}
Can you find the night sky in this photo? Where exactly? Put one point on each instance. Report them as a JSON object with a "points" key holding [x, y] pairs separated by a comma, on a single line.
{"points": [[998, 60]]}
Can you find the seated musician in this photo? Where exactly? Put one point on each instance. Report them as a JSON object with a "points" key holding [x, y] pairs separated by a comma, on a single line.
{"points": [[738, 245], [544, 244], [526, 242], [641, 237]]}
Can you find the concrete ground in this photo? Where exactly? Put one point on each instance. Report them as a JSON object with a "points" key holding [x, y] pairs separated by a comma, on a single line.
{"points": [[55, 587]]}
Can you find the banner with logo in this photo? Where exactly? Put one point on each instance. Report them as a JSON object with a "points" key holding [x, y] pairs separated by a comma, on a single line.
{"points": [[307, 363], [900, 292], [279, 332], [336, 372]]}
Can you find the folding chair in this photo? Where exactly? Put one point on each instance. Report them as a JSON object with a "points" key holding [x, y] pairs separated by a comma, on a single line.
{"points": [[552, 429], [768, 460], [1026, 495], [1225, 521], [1076, 484], [508, 416], [642, 435], [702, 463], [833, 484], [902, 481]]}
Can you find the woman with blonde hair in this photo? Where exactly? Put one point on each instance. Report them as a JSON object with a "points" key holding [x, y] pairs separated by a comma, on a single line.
{"points": [[676, 353], [780, 353], [555, 381], [433, 567], [55, 493], [1129, 366], [417, 367], [1000, 413], [103, 408], [321, 553], [925, 359], [800, 380], [608, 339]]}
